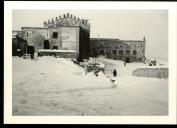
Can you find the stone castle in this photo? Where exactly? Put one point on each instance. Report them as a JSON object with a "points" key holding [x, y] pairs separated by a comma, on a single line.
{"points": [[69, 33]]}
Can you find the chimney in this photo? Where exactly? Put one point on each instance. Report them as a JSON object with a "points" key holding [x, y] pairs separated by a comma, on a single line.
{"points": [[64, 15], [78, 19], [56, 18], [75, 17], [71, 15], [48, 21], [59, 17]]}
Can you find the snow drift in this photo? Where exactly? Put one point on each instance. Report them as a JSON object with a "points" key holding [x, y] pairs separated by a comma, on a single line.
{"points": [[56, 86]]}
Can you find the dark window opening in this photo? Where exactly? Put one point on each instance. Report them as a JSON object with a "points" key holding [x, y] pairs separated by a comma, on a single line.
{"points": [[134, 52], [114, 52], [28, 34], [30, 50], [102, 52], [128, 52], [46, 44], [55, 34], [127, 59], [55, 47], [121, 52]]}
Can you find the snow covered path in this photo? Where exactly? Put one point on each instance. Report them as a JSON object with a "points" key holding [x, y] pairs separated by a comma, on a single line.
{"points": [[53, 86]]}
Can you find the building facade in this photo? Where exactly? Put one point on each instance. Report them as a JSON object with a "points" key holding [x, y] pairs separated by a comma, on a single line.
{"points": [[126, 50], [62, 33], [18, 44], [68, 33]]}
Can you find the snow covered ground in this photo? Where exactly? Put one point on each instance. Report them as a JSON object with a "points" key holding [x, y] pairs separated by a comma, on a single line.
{"points": [[56, 86]]}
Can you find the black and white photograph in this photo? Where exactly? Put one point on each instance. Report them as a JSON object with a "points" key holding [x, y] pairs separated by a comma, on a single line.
{"points": [[92, 62]]}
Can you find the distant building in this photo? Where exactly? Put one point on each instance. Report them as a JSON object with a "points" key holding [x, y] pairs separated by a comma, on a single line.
{"points": [[62, 33], [126, 50]]}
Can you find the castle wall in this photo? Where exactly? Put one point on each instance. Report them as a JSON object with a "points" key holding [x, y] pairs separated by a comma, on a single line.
{"points": [[56, 40], [151, 72], [70, 33], [35, 36], [127, 50], [67, 38]]}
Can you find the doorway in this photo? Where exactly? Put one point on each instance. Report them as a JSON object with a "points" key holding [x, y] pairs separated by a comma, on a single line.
{"points": [[30, 50], [46, 44]]}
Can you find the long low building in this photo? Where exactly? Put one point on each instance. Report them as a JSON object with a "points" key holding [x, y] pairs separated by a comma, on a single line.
{"points": [[126, 50]]}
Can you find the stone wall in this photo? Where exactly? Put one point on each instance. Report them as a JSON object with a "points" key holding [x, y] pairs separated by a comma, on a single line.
{"points": [[151, 72], [59, 54], [126, 50], [35, 36]]}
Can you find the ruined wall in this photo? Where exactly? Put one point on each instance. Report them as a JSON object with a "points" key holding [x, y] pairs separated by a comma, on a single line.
{"points": [[59, 54], [55, 40], [35, 36], [66, 33], [69, 37], [151, 72], [74, 33]]}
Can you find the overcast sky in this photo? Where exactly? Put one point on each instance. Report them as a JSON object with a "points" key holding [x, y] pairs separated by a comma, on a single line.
{"points": [[121, 24]]}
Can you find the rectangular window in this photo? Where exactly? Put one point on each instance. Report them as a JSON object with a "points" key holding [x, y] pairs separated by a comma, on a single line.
{"points": [[121, 52], [55, 34], [102, 52], [134, 52], [28, 34], [128, 52], [114, 52], [55, 47]]}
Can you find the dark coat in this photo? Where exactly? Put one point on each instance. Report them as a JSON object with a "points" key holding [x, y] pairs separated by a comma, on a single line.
{"points": [[114, 73]]}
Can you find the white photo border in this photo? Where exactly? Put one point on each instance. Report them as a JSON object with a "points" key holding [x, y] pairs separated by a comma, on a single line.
{"points": [[172, 58]]}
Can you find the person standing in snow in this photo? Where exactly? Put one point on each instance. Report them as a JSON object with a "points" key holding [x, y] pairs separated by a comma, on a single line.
{"points": [[114, 73], [96, 71], [124, 63], [113, 80], [86, 69]]}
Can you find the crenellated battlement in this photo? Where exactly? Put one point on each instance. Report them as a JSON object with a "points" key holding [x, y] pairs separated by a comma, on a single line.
{"points": [[66, 20]]}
